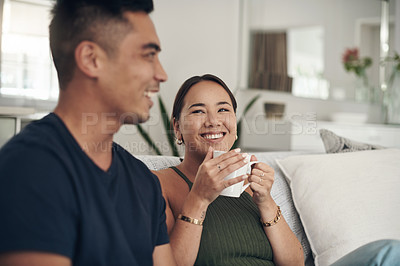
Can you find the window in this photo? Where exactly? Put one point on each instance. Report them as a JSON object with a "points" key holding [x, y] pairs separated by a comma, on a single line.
{"points": [[306, 62], [7, 129], [26, 67]]}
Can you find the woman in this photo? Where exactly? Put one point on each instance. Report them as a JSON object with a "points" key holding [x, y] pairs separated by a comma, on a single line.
{"points": [[204, 120]]}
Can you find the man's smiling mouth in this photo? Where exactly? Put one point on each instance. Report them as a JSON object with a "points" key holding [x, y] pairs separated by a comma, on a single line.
{"points": [[150, 93]]}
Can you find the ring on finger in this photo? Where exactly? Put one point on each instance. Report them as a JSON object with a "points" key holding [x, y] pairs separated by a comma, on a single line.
{"points": [[262, 174]]}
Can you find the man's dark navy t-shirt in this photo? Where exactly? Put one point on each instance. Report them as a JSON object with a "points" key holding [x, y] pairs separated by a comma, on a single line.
{"points": [[53, 198]]}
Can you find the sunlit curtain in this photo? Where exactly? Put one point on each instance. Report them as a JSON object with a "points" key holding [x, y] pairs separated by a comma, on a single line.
{"points": [[268, 67]]}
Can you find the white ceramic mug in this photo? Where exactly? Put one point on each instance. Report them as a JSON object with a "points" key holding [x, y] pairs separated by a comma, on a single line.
{"points": [[237, 189]]}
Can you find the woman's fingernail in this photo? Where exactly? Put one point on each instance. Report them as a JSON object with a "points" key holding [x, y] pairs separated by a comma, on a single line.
{"points": [[237, 150], [245, 176], [244, 155]]}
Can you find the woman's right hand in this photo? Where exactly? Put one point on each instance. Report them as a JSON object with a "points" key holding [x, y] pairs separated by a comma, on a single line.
{"points": [[210, 176]]}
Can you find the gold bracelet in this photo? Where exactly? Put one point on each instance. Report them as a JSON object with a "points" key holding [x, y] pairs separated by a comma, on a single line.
{"points": [[190, 220], [274, 221]]}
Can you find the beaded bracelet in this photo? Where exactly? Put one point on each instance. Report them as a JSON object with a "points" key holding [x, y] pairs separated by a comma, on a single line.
{"points": [[274, 221], [190, 220]]}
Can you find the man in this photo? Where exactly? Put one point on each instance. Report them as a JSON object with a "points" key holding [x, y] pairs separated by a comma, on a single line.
{"points": [[68, 194]]}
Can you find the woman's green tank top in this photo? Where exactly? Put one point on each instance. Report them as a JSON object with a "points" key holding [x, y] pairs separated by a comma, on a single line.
{"points": [[232, 233]]}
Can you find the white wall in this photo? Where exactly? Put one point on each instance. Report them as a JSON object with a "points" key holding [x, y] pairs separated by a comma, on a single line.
{"points": [[197, 37], [212, 36]]}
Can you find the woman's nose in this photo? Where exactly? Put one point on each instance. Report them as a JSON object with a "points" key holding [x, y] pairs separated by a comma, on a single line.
{"points": [[212, 120]]}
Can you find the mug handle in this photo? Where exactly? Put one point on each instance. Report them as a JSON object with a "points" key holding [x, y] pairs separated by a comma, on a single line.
{"points": [[248, 172], [249, 166]]}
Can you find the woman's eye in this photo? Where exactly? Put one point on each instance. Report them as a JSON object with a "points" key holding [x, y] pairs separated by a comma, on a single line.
{"points": [[197, 112], [223, 110]]}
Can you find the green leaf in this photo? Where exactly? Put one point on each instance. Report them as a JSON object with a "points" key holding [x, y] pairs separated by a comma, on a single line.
{"points": [[367, 62], [167, 127], [147, 138], [239, 124], [238, 131], [250, 104]]}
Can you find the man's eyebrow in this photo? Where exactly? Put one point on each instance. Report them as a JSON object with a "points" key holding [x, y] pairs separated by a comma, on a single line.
{"points": [[152, 46]]}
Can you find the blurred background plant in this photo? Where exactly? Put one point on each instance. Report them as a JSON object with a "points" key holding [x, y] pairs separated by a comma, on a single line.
{"points": [[240, 121], [391, 99], [396, 67], [170, 132], [353, 63]]}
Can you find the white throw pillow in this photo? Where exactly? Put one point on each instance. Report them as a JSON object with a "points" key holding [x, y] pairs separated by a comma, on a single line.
{"points": [[345, 200], [334, 143]]}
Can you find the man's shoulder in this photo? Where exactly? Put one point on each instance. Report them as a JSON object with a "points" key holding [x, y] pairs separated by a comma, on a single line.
{"points": [[38, 146], [128, 158], [40, 132], [135, 168]]}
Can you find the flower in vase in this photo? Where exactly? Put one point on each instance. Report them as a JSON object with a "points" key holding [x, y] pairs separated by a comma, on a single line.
{"points": [[353, 63]]}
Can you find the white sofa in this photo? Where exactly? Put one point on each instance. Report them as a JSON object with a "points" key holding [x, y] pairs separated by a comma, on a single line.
{"points": [[334, 203]]}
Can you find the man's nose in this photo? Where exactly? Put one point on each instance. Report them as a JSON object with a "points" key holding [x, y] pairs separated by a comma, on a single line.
{"points": [[160, 74]]}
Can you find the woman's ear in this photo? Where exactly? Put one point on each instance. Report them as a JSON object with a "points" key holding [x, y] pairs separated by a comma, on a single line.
{"points": [[177, 131], [88, 58]]}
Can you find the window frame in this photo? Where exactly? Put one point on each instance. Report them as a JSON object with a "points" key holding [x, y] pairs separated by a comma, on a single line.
{"points": [[22, 101]]}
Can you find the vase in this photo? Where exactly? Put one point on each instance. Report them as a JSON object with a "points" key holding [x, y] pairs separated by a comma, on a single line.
{"points": [[364, 92], [391, 99]]}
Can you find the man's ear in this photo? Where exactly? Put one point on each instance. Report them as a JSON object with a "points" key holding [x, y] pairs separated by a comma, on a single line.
{"points": [[88, 58]]}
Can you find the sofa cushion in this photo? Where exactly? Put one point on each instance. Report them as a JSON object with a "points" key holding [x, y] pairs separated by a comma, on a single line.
{"points": [[156, 162], [334, 143], [345, 200]]}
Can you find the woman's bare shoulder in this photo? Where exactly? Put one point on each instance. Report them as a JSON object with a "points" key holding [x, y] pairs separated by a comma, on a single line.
{"points": [[163, 173], [170, 181], [167, 177]]}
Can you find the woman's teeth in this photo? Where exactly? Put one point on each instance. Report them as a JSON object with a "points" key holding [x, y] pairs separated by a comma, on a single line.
{"points": [[213, 136]]}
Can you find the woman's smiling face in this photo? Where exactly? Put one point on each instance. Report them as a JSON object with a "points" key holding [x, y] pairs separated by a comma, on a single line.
{"points": [[207, 119]]}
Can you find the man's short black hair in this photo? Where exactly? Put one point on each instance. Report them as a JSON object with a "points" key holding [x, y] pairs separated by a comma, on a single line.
{"points": [[99, 21], [113, 6]]}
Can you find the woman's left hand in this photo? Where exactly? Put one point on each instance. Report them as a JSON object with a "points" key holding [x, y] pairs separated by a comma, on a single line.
{"points": [[261, 180]]}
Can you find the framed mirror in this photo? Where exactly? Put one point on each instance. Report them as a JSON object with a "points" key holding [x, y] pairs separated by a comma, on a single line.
{"points": [[317, 34]]}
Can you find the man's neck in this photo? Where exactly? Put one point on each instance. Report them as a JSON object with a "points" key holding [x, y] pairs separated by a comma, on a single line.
{"points": [[92, 131]]}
